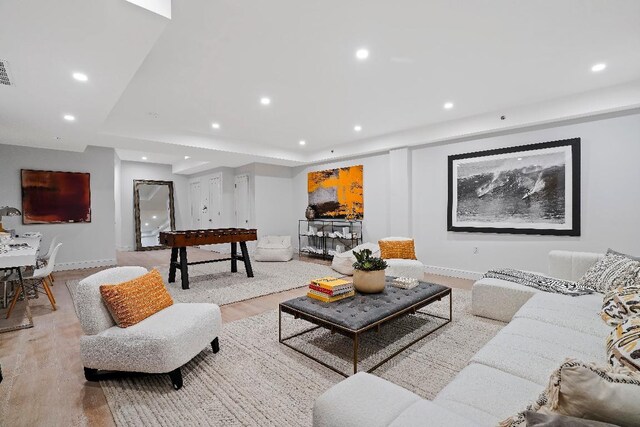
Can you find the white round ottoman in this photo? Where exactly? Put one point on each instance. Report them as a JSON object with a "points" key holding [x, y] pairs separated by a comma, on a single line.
{"points": [[405, 268]]}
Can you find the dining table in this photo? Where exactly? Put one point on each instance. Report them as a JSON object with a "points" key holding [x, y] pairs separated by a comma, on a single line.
{"points": [[17, 253]]}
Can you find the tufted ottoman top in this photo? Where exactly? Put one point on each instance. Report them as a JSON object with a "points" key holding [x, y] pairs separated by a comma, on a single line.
{"points": [[363, 310]]}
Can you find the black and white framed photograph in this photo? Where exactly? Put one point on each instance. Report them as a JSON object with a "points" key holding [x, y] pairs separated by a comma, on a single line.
{"points": [[528, 189]]}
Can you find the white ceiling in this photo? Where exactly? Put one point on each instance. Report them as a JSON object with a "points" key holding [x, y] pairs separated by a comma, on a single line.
{"points": [[156, 85]]}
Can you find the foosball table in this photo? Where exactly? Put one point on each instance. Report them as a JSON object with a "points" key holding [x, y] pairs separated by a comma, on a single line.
{"points": [[179, 240]]}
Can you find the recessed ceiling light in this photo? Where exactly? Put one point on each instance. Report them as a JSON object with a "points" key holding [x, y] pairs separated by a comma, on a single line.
{"points": [[154, 217], [448, 105], [187, 157], [69, 117], [519, 158], [302, 142], [81, 77], [215, 125], [265, 101], [362, 54], [598, 67], [144, 157], [146, 224], [357, 128]]}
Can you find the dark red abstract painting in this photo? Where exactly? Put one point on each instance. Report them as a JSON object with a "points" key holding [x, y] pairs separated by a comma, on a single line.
{"points": [[55, 197]]}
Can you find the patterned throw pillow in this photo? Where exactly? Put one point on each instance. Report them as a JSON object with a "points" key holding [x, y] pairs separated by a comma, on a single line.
{"points": [[620, 303], [612, 271], [586, 390], [133, 301], [397, 249], [623, 346]]}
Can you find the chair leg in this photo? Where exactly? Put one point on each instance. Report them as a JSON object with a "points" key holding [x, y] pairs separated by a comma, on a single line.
{"points": [[91, 374], [15, 299], [215, 345], [176, 378], [51, 279], [49, 294]]}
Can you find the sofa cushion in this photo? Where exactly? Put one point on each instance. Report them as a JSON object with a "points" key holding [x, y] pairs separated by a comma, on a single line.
{"points": [[486, 395], [425, 412], [499, 299], [578, 313], [532, 349], [159, 344], [133, 301], [361, 400], [93, 314]]}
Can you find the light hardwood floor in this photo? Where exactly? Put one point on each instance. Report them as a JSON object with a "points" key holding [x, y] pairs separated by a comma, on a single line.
{"points": [[48, 387]]}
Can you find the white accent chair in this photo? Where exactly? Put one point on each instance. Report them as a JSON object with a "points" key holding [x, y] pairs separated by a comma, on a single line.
{"points": [[404, 267], [159, 344], [41, 277], [343, 262], [500, 299], [274, 248], [43, 260]]}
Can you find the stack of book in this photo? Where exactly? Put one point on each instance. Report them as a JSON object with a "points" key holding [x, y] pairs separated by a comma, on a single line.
{"points": [[330, 289]]}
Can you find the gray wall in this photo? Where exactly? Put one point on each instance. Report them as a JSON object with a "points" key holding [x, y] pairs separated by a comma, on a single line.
{"points": [[84, 245]]}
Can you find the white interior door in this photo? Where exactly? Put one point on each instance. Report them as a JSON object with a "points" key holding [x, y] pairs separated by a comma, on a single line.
{"points": [[195, 196], [215, 202], [242, 201]]}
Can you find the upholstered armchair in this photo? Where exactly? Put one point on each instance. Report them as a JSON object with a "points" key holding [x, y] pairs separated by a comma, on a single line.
{"points": [[161, 343]]}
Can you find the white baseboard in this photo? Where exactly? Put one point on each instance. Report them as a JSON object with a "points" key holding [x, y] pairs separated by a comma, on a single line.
{"points": [[76, 265], [125, 248], [452, 272]]}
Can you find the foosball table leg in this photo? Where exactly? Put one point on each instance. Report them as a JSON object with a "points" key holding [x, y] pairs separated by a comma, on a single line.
{"points": [[184, 268], [172, 265], [245, 257], [234, 255]]}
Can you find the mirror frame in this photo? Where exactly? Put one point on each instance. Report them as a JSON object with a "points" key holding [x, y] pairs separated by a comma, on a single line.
{"points": [[136, 211]]}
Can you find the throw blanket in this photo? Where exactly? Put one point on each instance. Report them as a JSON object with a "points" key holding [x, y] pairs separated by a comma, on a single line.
{"points": [[537, 281]]}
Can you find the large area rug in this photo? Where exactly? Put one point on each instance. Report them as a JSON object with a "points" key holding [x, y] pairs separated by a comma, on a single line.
{"points": [[254, 380], [21, 317], [216, 284]]}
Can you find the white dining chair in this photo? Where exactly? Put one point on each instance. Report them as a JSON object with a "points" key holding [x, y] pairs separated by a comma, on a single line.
{"points": [[42, 260], [40, 277]]}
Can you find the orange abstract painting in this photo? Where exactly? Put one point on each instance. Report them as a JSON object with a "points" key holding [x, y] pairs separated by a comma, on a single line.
{"points": [[337, 193]]}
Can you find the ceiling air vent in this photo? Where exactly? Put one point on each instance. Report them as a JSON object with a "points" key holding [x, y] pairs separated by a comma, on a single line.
{"points": [[4, 73]]}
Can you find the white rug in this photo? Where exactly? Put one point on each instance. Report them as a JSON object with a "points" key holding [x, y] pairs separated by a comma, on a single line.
{"points": [[254, 380], [216, 284]]}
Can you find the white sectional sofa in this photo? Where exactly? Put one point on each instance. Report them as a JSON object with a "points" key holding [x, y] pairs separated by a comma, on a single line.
{"points": [[507, 374]]}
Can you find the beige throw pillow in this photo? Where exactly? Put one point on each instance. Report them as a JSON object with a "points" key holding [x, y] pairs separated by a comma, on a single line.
{"points": [[585, 390]]}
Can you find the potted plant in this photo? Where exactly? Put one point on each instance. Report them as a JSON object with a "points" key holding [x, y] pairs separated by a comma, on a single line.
{"points": [[368, 275]]}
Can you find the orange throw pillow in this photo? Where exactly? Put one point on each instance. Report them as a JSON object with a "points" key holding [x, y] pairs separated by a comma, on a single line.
{"points": [[133, 301], [397, 249]]}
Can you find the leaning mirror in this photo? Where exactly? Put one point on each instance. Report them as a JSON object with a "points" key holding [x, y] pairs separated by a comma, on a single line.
{"points": [[153, 211]]}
